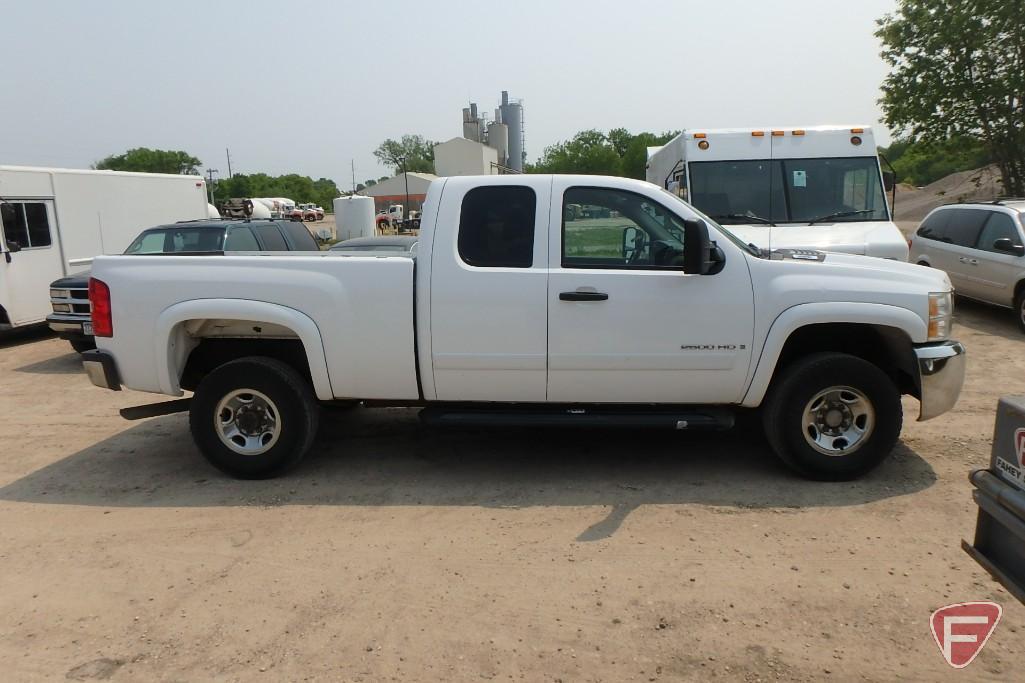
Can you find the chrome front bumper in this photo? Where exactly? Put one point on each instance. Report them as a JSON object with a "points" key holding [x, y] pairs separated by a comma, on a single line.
{"points": [[941, 370]]}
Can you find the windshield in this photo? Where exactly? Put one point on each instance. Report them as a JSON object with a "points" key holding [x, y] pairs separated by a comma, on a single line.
{"points": [[749, 248], [789, 190], [177, 240]]}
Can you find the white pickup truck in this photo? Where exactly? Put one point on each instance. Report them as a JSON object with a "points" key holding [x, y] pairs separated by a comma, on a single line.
{"points": [[538, 300]]}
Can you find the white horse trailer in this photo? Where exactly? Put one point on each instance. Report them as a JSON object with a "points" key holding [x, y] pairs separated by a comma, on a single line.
{"points": [[56, 220]]}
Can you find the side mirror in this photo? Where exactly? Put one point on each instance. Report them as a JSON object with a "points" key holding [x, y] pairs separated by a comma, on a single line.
{"points": [[1006, 245], [697, 250], [889, 180]]}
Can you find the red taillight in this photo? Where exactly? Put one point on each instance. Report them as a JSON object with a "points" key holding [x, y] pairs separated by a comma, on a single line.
{"points": [[99, 301]]}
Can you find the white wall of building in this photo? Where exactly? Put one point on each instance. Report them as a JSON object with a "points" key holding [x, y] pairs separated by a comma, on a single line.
{"points": [[460, 156]]}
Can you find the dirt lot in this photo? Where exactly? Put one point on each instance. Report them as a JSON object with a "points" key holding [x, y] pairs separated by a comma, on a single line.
{"points": [[401, 553]]}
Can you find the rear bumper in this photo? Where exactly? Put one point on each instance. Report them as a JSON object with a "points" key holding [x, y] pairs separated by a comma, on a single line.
{"points": [[102, 370], [1000, 531], [941, 370], [68, 326]]}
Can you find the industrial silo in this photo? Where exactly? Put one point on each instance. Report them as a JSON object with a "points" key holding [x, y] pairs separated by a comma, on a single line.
{"points": [[498, 139], [512, 116], [354, 217]]}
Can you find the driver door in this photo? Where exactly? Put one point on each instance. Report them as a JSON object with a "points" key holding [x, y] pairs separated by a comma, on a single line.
{"points": [[625, 323]]}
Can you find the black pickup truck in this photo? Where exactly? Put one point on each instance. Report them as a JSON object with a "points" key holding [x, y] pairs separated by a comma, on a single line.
{"points": [[69, 296]]}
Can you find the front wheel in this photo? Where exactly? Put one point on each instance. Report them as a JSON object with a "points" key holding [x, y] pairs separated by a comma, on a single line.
{"points": [[1019, 308], [254, 418], [832, 416]]}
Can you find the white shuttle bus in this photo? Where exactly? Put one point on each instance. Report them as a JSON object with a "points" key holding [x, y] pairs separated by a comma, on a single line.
{"points": [[54, 221], [816, 188]]}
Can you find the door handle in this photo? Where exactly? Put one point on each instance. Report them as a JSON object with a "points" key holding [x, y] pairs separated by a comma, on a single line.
{"points": [[583, 296], [972, 261]]}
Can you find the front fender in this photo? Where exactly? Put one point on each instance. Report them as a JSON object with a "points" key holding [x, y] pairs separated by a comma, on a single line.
{"points": [[173, 346], [802, 315]]}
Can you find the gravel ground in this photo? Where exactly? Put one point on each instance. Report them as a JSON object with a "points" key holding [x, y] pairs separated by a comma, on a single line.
{"points": [[398, 552]]}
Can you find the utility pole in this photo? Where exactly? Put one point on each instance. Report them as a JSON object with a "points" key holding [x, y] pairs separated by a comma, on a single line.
{"points": [[210, 182], [353, 161], [227, 153], [405, 176]]}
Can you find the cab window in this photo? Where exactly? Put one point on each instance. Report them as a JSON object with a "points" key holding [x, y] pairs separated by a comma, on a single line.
{"points": [[496, 227], [606, 228]]}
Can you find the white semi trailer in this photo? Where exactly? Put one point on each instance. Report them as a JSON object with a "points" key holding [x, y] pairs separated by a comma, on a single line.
{"points": [[54, 221], [819, 187]]}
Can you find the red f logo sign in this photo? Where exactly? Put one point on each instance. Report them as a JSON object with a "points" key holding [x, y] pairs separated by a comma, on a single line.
{"points": [[962, 630]]}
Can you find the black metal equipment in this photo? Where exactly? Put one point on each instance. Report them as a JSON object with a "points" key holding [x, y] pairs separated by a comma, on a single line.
{"points": [[1000, 494]]}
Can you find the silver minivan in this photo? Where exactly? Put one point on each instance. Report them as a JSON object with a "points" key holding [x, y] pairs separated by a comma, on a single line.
{"points": [[981, 246]]}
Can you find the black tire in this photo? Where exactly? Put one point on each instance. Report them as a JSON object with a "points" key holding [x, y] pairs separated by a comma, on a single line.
{"points": [[83, 345], [293, 406], [1019, 308], [791, 395]]}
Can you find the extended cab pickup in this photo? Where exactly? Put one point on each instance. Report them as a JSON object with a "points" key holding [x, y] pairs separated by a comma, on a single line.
{"points": [[518, 307]]}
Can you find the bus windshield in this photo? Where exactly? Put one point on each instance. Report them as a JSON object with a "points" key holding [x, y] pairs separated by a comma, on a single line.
{"points": [[789, 190]]}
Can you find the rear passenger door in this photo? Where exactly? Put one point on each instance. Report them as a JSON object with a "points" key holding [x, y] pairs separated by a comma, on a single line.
{"points": [[995, 271], [960, 262], [489, 283]]}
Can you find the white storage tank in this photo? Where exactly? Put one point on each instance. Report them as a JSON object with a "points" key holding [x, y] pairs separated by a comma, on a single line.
{"points": [[354, 217], [498, 138]]}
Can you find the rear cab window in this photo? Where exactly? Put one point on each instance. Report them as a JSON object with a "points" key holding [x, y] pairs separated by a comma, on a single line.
{"points": [[496, 227]]}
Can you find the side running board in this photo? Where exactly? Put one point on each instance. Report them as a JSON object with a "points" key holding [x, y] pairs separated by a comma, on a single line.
{"points": [[623, 417]]}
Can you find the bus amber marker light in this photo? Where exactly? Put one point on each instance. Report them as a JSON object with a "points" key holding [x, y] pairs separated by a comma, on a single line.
{"points": [[961, 630]]}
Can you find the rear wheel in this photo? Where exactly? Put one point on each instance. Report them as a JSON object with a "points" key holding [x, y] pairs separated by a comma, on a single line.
{"points": [[254, 418], [832, 416], [1019, 308]]}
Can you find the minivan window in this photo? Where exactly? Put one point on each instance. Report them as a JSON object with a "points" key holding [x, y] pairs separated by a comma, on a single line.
{"points": [[999, 226], [965, 225], [934, 227], [496, 227]]}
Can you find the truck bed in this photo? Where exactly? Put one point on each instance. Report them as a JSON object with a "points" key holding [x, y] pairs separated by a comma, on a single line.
{"points": [[360, 309]]}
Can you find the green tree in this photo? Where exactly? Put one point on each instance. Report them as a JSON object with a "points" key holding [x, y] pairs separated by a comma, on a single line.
{"points": [[300, 188], [617, 152], [145, 160], [958, 69], [921, 163], [417, 151]]}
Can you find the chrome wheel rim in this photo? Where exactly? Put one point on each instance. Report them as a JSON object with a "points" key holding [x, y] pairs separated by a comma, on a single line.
{"points": [[838, 420], [1021, 310], [247, 422]]}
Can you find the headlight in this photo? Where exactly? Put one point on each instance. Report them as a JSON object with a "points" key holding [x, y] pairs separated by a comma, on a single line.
{"points": [[941, 315], [60, 294]]}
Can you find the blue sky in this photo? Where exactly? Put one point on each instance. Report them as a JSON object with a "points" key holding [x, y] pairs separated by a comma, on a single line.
{"points": [[309, 85]]}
